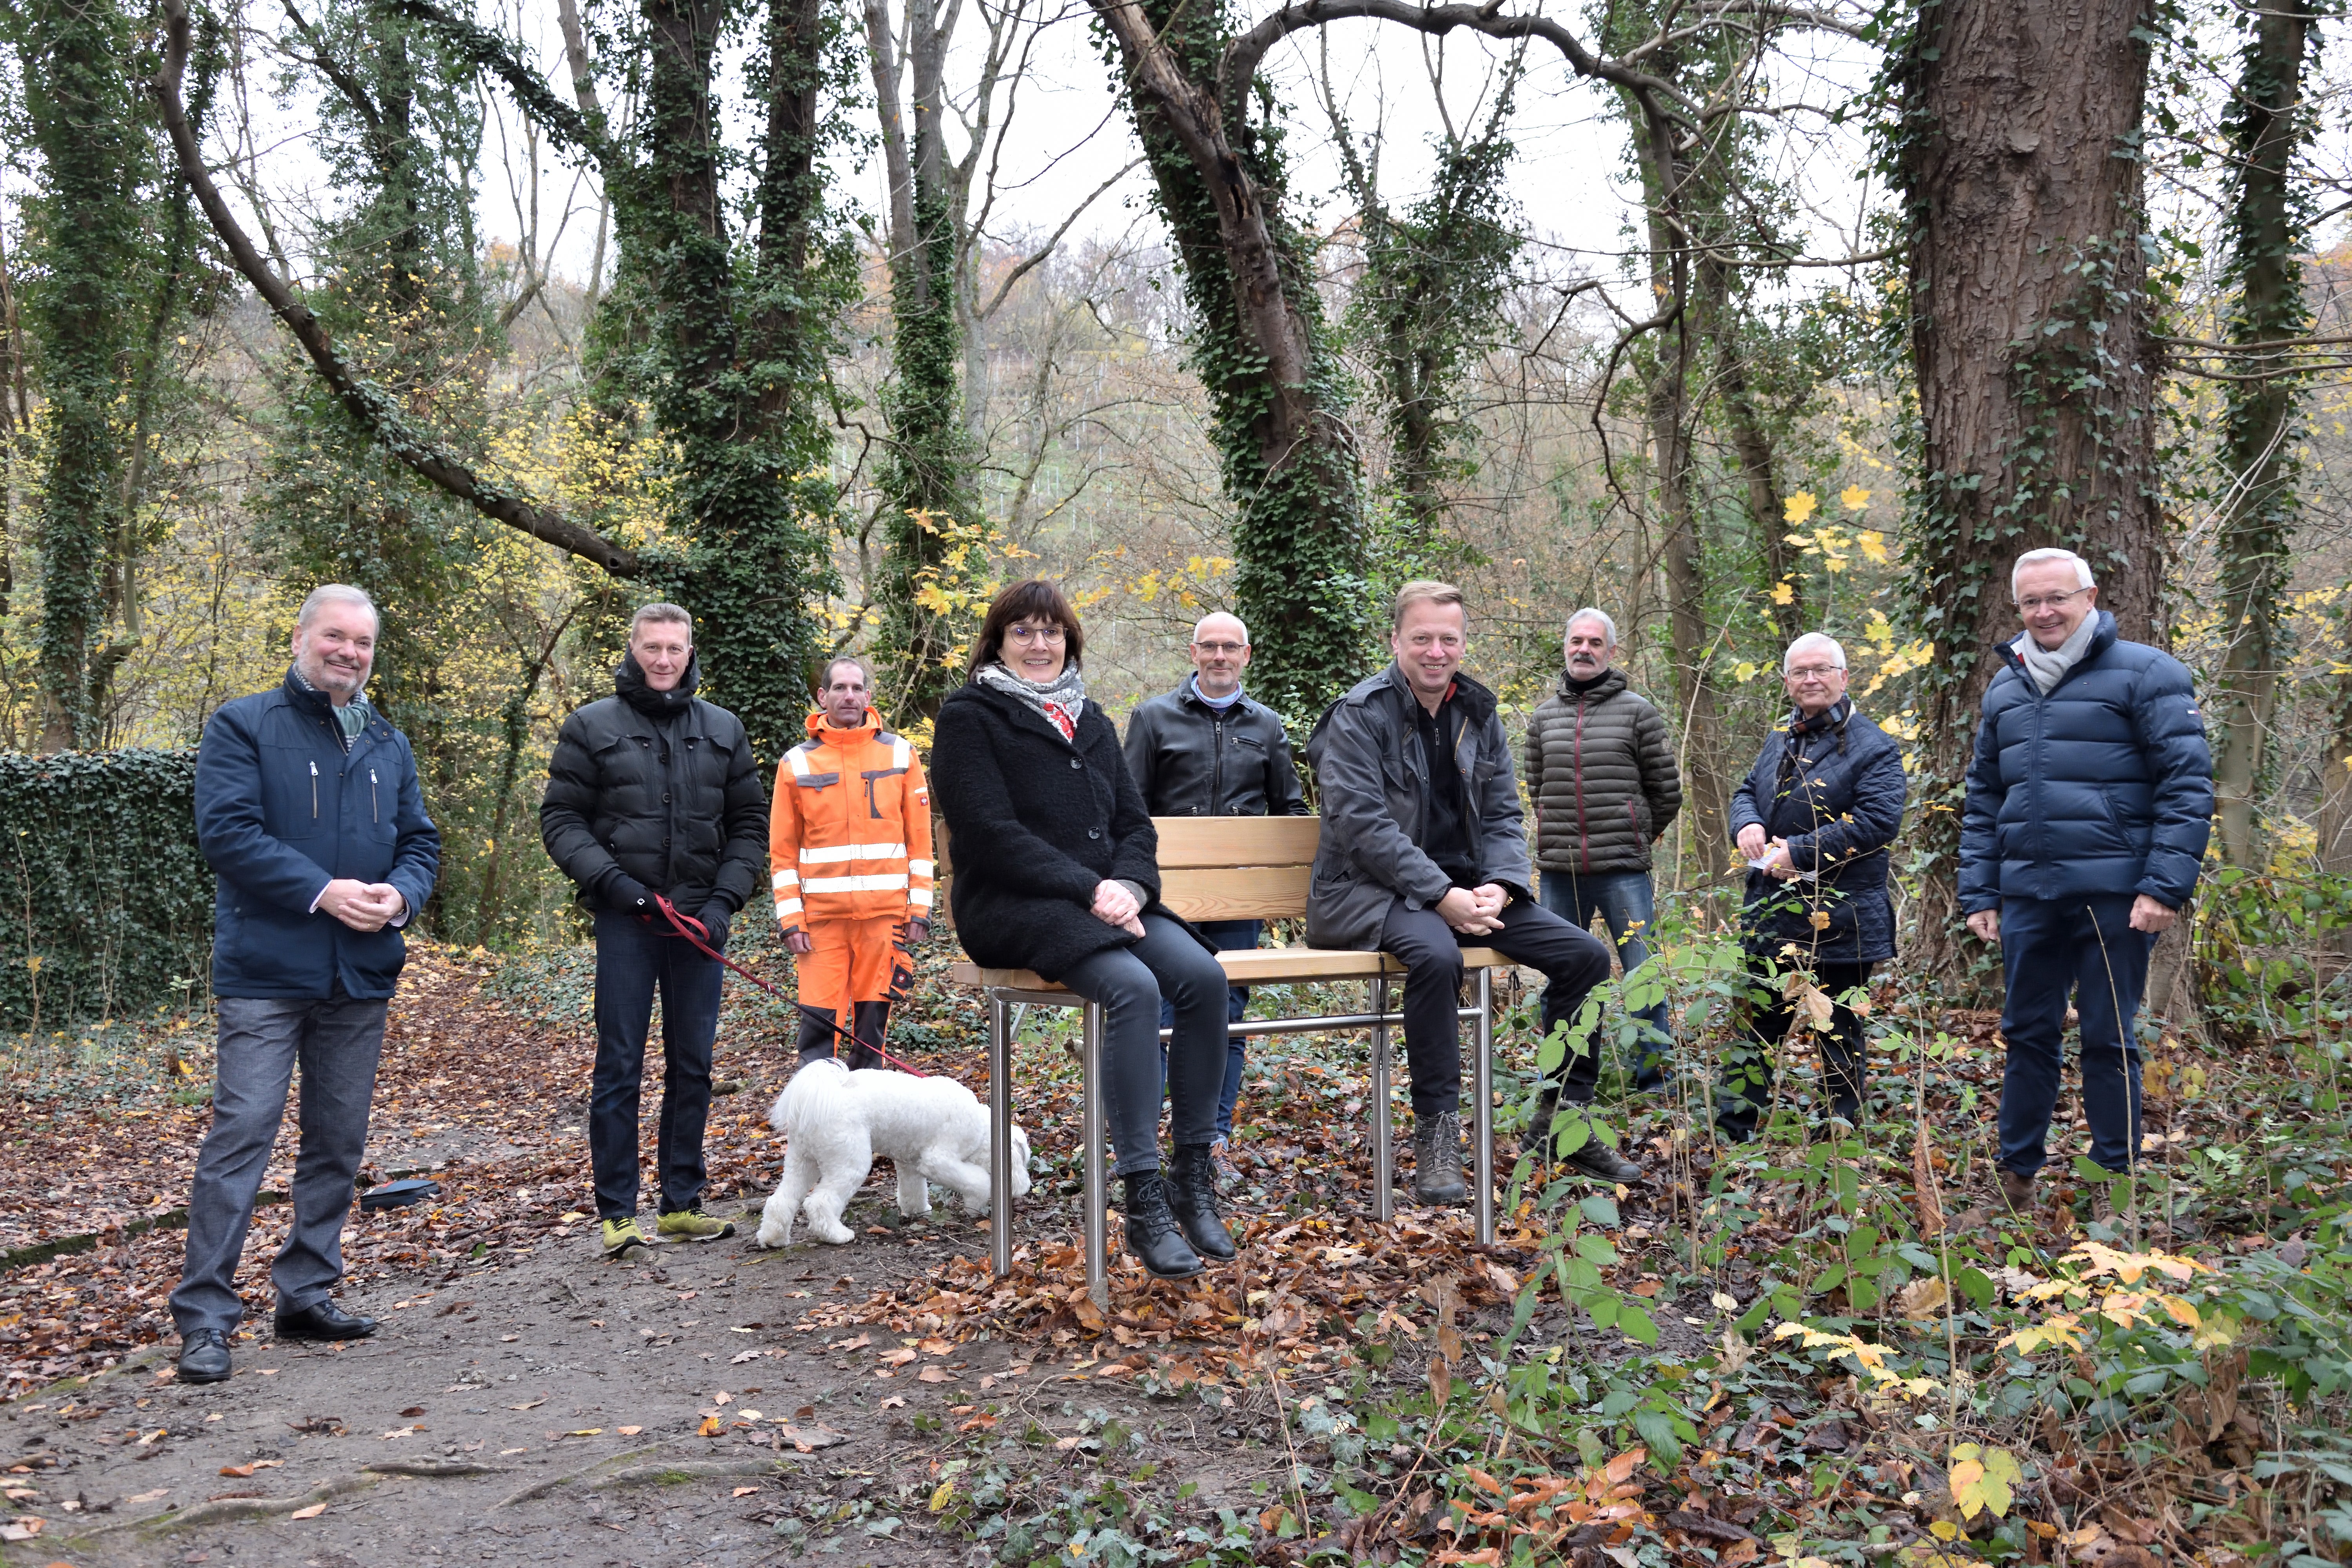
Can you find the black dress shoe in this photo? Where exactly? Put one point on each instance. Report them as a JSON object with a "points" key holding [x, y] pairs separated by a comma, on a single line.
{"points": [[204, 1356], [1597, 1159], [322, 1320]]}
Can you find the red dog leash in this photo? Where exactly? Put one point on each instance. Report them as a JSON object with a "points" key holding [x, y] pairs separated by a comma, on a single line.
{"points": [[695, 932]]}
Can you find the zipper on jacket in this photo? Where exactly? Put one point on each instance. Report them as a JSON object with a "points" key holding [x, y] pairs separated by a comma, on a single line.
{"points": [[1217, 766], [314, 792], [375, 810], [1583, 843]]}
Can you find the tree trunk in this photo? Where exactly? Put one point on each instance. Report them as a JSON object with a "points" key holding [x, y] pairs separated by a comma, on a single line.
{"points": [[2255, 526], [2030, 338], [86, 128], [1668, 412], [1291, 468]]}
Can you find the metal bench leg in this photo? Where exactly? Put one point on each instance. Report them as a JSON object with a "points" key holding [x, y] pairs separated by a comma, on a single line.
{"points": [[1098, 1239], [1483, 1082], [1000, 1135], [1383, 1150]]}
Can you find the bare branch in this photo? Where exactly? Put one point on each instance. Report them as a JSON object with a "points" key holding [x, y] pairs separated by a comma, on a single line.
{"points": [[370, 406]]}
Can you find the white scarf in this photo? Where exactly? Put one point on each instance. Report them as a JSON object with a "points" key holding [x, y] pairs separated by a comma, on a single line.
{"points": [[2048, 666]]}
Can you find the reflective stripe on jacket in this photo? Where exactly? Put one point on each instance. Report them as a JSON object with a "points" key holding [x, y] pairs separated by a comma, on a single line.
{"points": [[849, 833]]}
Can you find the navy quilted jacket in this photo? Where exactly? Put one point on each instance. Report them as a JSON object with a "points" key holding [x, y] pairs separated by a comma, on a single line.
{"points": [[2106, 785], [1839, 806]]}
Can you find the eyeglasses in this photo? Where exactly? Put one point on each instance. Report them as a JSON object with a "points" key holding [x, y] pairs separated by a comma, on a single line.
{"points": [[1815, 671], [1221, 649], [2049, 601], [1027, 635]]}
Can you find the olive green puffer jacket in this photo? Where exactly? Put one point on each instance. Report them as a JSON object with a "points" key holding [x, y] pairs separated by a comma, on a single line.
{"points": [[1601, 769]]}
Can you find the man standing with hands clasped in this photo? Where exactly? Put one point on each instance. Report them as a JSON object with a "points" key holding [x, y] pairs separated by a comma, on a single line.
{"points": [[308, 811], [849, 855], [653, 793], [2089, 802]]}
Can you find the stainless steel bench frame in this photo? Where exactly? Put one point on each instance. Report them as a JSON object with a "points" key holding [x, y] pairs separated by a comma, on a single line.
{"points": [[1003, 998]]}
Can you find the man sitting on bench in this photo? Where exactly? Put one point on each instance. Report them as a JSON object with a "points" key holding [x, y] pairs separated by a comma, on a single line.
{"points": [[1422, 855]]}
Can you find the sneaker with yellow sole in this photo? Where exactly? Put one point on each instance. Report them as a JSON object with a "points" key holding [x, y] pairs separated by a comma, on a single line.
{"points": [[621, 1235], [695, 1225]]}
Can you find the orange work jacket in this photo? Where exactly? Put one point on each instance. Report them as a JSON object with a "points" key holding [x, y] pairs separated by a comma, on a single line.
{"points": [[849, 836]]}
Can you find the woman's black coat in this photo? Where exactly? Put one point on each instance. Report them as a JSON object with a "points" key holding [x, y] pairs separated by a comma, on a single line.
{"points": [[1840, 811], [1035, 824]]}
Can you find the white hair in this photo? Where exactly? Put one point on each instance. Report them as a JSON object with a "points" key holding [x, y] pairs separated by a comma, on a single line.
{"points": [[2037, 557], [326, 594], [1211, 615], [1789, 660], [1608, 626]]}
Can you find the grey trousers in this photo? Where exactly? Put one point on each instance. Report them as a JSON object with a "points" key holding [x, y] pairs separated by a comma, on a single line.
{"points": [[1129, 983], [337, 1042]]}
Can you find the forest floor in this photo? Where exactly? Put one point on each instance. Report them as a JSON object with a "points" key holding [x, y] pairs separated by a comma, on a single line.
{"points": [[1346, 1388]]}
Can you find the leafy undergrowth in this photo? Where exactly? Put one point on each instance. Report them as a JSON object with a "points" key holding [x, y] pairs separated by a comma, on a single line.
{"points": [[1809, 1350]]}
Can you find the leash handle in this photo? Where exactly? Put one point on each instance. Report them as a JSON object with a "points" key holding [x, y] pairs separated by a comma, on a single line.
{"points": [[699, 932]]}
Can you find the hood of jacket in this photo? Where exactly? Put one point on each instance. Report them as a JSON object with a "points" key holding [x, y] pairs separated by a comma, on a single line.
{"points": [[629, 685]]}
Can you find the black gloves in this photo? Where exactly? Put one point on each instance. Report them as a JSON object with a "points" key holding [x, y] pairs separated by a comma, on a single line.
{"points": [[625, 895], [715, 916]]}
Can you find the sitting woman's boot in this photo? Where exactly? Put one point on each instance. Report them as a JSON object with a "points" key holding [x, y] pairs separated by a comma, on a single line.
{"points": [[1151, 1232], [1192, 1195]]}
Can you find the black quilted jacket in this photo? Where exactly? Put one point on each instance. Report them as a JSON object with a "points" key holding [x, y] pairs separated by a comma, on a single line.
{"points": [[660, 786]]}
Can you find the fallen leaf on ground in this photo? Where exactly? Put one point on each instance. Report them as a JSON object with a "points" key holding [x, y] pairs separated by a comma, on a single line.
{"points": [[629, 1431], [532, 1405], [744, 1491], [313, 1511]]}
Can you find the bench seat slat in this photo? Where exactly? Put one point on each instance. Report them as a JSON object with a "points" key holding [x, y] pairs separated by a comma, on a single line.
{"points": [[1255, 966], [1189, 841], [1236, 892]]}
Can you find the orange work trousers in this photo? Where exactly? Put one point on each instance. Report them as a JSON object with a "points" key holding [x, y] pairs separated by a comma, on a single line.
{"points": [[846, 977]]}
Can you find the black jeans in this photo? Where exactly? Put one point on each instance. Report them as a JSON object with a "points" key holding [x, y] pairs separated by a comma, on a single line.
{"points": [[1572, 962], [633, 961], [1127, 983], [2051, 948], [1748, 1064]]}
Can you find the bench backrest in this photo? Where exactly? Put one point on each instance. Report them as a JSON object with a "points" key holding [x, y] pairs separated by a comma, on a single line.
{"points": [[1236, 867]]}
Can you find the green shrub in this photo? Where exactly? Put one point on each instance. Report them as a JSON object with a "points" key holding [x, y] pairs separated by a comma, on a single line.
{"points": [[106, 903]]}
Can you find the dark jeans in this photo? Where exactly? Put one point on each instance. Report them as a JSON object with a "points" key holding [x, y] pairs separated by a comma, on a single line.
{"points": [[1431, 950], [1748, 1064], [632, 962], [1231, 936], [1626, 901], [337, 1042], [2050, 948], [1127, 983]]}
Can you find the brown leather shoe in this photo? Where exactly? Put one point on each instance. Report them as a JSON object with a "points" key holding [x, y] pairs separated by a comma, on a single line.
{"points": [[2016, 1186]]}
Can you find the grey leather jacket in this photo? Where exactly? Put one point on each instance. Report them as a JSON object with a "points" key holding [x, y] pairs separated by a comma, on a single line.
{"points": [[1373, 781]]}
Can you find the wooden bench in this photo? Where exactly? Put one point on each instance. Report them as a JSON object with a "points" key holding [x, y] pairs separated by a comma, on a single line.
{"points": [[1230, 868]]}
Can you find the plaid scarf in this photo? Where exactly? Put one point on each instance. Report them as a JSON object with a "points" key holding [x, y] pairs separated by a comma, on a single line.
{"points": [[1061, 701]]}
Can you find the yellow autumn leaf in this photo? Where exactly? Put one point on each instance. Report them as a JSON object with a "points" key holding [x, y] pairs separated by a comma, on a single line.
{"points": [[1745, 670], [1783, 594], [1874, 544], [1800, 505], [1983, 1485], [1854, 497]]}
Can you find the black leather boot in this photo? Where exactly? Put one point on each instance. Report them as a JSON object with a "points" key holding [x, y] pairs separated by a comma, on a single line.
{"points": [[1192, 1195], [1437, 1158], [1151, 1232]]}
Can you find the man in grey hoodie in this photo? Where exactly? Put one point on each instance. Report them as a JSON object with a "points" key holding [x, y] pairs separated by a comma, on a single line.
{"points": [[1423, 854]]}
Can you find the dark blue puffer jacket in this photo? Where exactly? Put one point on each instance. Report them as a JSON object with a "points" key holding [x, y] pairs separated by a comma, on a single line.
{"points": [[2106, 785], [1841, 807], [282, 808]]}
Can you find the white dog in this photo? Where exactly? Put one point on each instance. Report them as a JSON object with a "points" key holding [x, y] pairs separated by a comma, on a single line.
{"points": [[837, 1121]]}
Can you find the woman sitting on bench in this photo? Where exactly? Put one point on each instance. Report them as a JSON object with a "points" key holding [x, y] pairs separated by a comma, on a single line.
{"points": [[1056, 869]]}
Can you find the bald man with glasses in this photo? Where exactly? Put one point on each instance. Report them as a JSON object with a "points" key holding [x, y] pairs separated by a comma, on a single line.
{"points": [[1206, 750]]}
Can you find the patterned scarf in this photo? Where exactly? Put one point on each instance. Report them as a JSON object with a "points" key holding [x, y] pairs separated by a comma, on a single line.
{"points": [[1061, 701]]}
